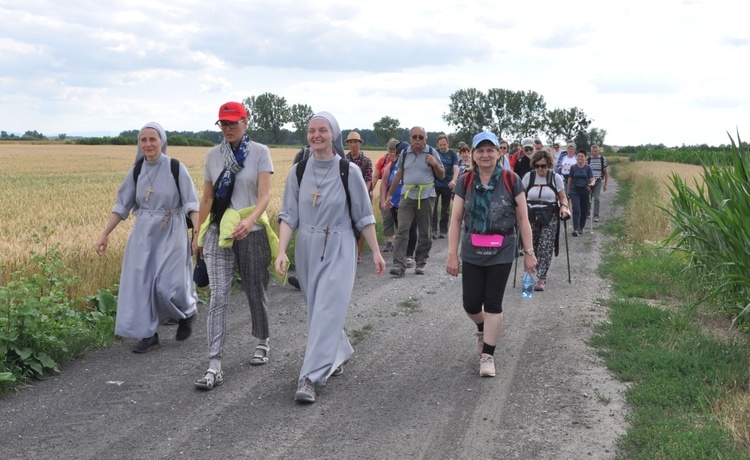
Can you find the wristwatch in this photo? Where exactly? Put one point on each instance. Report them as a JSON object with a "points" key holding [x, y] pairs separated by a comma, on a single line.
{"points": [[529, 252]]}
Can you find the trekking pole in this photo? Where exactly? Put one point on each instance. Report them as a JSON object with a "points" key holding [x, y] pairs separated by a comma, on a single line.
{"points": [[567, 252], [515, 256], [591, 209]]}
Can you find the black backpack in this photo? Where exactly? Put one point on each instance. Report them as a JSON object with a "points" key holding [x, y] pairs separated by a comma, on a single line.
{"points": [[550, 182], [174, 165], [344, 175]]}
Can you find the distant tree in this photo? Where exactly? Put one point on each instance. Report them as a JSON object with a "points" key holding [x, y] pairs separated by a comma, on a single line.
{"points": [[529, 117], [33, 135], [582, 141], [565, 123], [268, 112], [300, 115], [504, 105], [130, 133], [596, 136], [3, 134], [385, 129], [62, 136], [468, 111]]}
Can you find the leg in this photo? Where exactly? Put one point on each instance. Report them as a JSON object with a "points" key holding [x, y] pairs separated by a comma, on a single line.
{"points": [[412, 244], [584, 209], [253, 258], [220, 265], [445, 206], [424, 221], [389, 226], [405, 217], [597, 192], [545, 249], [575, 199]]}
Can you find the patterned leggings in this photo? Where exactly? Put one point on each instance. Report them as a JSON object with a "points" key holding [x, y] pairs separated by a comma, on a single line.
{"points": [[544, 245], [252, 256]]}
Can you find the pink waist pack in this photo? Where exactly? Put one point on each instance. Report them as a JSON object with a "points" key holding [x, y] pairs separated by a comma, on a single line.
{"points": [[487, 241]]}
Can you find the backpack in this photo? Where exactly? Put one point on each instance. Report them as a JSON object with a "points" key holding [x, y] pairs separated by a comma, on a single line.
{"points": [[432, 152], [550, 182], [344, 175], [174, 165], [509, 179]]}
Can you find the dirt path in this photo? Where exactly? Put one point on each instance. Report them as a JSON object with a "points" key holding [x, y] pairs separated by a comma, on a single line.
{"points": [[411, 390]]}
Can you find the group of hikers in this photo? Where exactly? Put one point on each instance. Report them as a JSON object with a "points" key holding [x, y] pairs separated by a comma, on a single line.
{"points": [[480, 199]]}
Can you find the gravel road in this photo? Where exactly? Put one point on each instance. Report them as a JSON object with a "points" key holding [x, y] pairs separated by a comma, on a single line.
{"points": [[411, 390]]}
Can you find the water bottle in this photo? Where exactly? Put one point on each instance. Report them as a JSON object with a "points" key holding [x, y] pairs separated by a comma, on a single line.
{"points": [[528, 286]]}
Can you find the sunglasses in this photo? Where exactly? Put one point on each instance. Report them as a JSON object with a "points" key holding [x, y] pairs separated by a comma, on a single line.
{"points": [[540, 165], [503, 148], [418, 136], [528, 149]]}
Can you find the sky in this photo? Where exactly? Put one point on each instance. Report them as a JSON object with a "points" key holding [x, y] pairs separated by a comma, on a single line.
{"points": [[657, 71]]}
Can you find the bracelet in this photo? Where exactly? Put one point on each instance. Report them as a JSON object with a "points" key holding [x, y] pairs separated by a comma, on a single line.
{"points": [[529, 252]]}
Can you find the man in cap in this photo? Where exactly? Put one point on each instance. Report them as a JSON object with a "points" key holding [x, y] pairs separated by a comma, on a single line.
{"points": [[356, 156], [521, 162], [418, 166]]}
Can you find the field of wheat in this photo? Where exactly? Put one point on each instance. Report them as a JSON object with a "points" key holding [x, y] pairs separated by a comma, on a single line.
{"points": [[70, 190]]}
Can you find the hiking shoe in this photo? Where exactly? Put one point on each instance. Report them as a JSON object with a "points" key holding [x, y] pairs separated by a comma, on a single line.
{"points": [[575, 232], [338, 371], [419, 270], [539, 285], [185, 328], [305, 391], [487, 366], [388, 247], [409, 262], [596, 218], [149, 343], [210, 380], [480, 342], [293, 281], [442, 235], [399, 272]]}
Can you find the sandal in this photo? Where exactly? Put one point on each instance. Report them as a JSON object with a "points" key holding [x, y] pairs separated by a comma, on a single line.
{"points": [[261, 355], [209, 382]]}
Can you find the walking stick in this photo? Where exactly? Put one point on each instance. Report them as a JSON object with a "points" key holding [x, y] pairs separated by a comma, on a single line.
{"points": [[515, 256], [567, 252]]}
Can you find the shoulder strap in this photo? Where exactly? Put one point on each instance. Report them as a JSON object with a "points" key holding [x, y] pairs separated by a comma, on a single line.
{"points": [[174, 165], [137, 170], [468, 181], [344, 174], [532, 180], [301, 170], [551, 181]]}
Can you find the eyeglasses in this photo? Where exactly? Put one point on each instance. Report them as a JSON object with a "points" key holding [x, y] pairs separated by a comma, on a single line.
{"points": [[227, 124], [418, 136], [503, 148], [528, 149], [540, 165]]}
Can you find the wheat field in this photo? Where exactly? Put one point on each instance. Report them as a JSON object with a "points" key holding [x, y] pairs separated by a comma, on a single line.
{"points": [[70, 190]]}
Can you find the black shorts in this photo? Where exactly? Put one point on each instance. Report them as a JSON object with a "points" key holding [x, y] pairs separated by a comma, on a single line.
{"points": [[484, 286]]}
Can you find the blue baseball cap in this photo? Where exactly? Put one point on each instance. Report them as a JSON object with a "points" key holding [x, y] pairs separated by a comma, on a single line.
{"points": [[485, 136], [401, 147]]}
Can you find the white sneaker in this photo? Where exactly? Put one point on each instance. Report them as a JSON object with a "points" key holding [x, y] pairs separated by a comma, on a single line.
{"points": [[487, 366]]}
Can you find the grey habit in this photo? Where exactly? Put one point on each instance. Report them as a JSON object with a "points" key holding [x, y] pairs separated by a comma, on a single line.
{"points": [[156, 281], [325, 254]]}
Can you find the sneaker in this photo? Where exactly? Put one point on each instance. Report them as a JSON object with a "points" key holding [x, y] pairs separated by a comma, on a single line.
{"points": [[419, 270], [210, 380], [486, 366], [388, 247], [480, 342], [396, 271], [185, 328], [338, 371], [575, 232], [539, 285], [443, 235], [144, 345], [409, 262], [305, 391], [596, 218]]}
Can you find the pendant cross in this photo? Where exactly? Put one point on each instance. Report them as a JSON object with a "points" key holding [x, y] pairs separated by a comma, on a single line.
{"points": [[148, 193], [315, 195]]}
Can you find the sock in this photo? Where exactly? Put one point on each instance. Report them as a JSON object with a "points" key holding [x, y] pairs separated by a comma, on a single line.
{"points": [[488, 349], [480, 327]]}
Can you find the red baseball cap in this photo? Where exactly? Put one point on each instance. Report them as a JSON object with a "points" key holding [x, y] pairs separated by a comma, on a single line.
{"points": [[232, 111]]}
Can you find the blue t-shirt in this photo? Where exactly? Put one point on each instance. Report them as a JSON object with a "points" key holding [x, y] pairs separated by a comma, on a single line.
{"points": [[449, 159], [581, 177]]}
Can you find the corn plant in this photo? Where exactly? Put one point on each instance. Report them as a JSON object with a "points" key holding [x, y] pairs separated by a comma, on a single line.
{"points": [[712, 225]]}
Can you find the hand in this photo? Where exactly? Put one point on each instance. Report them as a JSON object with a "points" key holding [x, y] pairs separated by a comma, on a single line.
{"points": [[101, 244], [242, 229], [389, 205], [529, 263], [281, 264], [451, 184], [431, 160], [604, 188], [564, 213], [379, 262], [451, 267], [197, 250]]}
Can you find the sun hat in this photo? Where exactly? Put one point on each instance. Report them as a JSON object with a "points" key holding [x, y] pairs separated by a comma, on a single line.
{"points": [[354, 136], [527, 142], [232, 111], [485, 136]]}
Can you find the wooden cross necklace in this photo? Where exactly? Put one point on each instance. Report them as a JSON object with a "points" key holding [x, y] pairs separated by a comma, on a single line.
{"points": [[316, 194], [150, 188]]}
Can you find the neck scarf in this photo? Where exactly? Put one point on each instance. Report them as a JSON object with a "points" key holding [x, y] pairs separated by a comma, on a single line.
{"points": [[480, 206], [234, 161]]}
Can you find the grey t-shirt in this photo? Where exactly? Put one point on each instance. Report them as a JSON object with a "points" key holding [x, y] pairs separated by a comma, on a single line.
{"points": [[540, 192], [417, 171], [245, 193], [501, 220]]}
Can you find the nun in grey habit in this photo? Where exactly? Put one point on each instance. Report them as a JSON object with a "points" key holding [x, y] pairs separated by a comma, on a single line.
{"points": [[156, 282], [325, 252]]}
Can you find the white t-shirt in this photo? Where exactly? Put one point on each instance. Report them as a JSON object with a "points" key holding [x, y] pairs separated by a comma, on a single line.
{"points": [[566, 163]]}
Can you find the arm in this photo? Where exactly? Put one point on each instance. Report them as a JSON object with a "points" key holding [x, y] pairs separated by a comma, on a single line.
{"points": [[396, 180], [285, 236], [207, 199], [384, 187], [452, 183], [101, 244], [244, 227], [522, 219], [454, 235], [437, 168], [606, 178], [564, 206], [372, 240]]}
